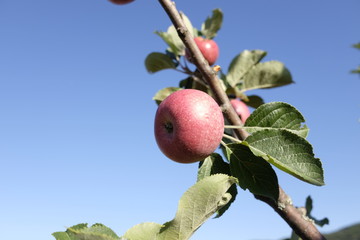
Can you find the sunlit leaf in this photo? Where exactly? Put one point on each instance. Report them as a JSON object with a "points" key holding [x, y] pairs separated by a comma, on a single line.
{"points": [[143, 231], [188, 24], [83, 232], [163, 93], [242, 64], [61, 236], [277, 115], [288, 152], [214, 164], [199, 203], [266, 75], [212, 24], [173, 40]]}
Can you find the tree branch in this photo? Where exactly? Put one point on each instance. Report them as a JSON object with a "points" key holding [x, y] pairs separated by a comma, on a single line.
{"points": [[301, 225], [209, 75]]}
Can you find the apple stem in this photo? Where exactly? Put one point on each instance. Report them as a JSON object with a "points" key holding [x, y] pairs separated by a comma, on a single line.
{"points": [[223, 143], [231, 138], [233, 127]]}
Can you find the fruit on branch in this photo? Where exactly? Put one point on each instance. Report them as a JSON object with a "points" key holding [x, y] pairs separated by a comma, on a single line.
{"points": [[241, 109], [208, 48], [121, 2], [189, 126]]}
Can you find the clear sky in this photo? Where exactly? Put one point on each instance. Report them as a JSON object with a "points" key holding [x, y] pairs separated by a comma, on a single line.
{"points": [[76, 114]]}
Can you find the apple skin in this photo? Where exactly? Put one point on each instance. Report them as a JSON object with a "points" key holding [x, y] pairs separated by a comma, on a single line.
{"points": [[121, 2], [208, 48], [241, 109], [189, 126]]}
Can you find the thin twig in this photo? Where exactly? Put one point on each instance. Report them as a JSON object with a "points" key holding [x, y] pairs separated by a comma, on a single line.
{"points": [[302, 226], [231, 138]]}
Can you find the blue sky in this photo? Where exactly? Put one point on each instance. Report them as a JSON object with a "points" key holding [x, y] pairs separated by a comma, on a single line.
{"points": [[76, 123]]}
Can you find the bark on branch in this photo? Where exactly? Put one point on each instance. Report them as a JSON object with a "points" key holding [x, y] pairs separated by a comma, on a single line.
{"points": [[301, 225]]}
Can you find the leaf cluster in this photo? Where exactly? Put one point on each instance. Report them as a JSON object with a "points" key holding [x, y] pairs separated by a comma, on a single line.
{"points": [[277, 133], [198, 203], [245, 72]]}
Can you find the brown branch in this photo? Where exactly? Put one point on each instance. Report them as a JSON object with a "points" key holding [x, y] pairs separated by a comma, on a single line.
{"points": [[301, 225], [207, 72], [295, 218]]}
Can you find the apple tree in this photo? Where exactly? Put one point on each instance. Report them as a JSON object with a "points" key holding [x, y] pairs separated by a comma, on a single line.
{"points": [[209, 110]]}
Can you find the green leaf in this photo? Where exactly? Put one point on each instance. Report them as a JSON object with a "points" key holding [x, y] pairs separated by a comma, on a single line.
{"points": [[188, 24], [266, 75], [61, 236], [163, 93], [254, 101], [357, 45], [82, 232], [241, 64], [356, 70], [212, 24], [198, 204], [186, 83], [309, 207], [143, 231], [277, 115], [322, 222], [287, 151], [214, 164], [156, 61], [252, 172], [172, 39]]}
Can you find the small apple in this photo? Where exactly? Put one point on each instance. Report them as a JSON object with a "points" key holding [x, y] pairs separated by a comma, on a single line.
{"points": [[208, 48], [121, 2], [189, 126], [241, 109]]}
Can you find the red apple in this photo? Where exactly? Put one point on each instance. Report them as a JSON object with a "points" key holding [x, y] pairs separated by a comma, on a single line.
{"points": [[208, 48], [189, 126], [241, 109], [121, 2]]}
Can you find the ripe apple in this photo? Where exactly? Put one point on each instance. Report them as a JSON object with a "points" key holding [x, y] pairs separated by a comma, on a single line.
{"points": [[121, 2], [207, 47], [189, 126], [241, 109]]}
